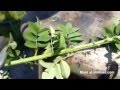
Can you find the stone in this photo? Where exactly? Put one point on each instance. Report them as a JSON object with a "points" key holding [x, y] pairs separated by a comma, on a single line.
{"points": [[2, 42]]}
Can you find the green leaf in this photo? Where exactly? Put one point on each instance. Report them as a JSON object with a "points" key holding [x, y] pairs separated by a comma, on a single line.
{"points": [[62, 43], [8, 60], [68, 27], [63, 29], [33, 27], [10, 53], [117, 45], [70, 34], [52, 31], [30, 44], [43, 30], [73, 30], [106, 32], [75, 39], [48, 49], [52, 71], [17, 52], [75, 34], [42, 45], [13, 45], [11, 38], [109, 35], [31, 37], [58, 71], [44, 38], [73, 43], [117, 30], [65, 69], [112, 27], [46, 64], [116, 40]]}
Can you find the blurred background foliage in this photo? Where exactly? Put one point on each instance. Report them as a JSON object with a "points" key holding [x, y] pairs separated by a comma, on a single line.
{"points": [[10, 22], [11, 15]]}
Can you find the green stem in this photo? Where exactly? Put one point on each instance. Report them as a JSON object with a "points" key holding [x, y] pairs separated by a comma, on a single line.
{"points": [[65, 51], [36, 51]]}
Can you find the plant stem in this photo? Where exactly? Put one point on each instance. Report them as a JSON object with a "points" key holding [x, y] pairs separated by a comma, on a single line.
{"points": [[36, 51], [65, 51]]}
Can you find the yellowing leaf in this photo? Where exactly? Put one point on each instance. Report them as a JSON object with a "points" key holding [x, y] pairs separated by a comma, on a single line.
{"points": [[65, 69], [58, 72]]}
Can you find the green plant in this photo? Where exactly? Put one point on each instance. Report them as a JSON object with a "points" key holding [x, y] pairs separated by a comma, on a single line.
{"points": [[112, 31], [56, 43], [53, 40]]}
